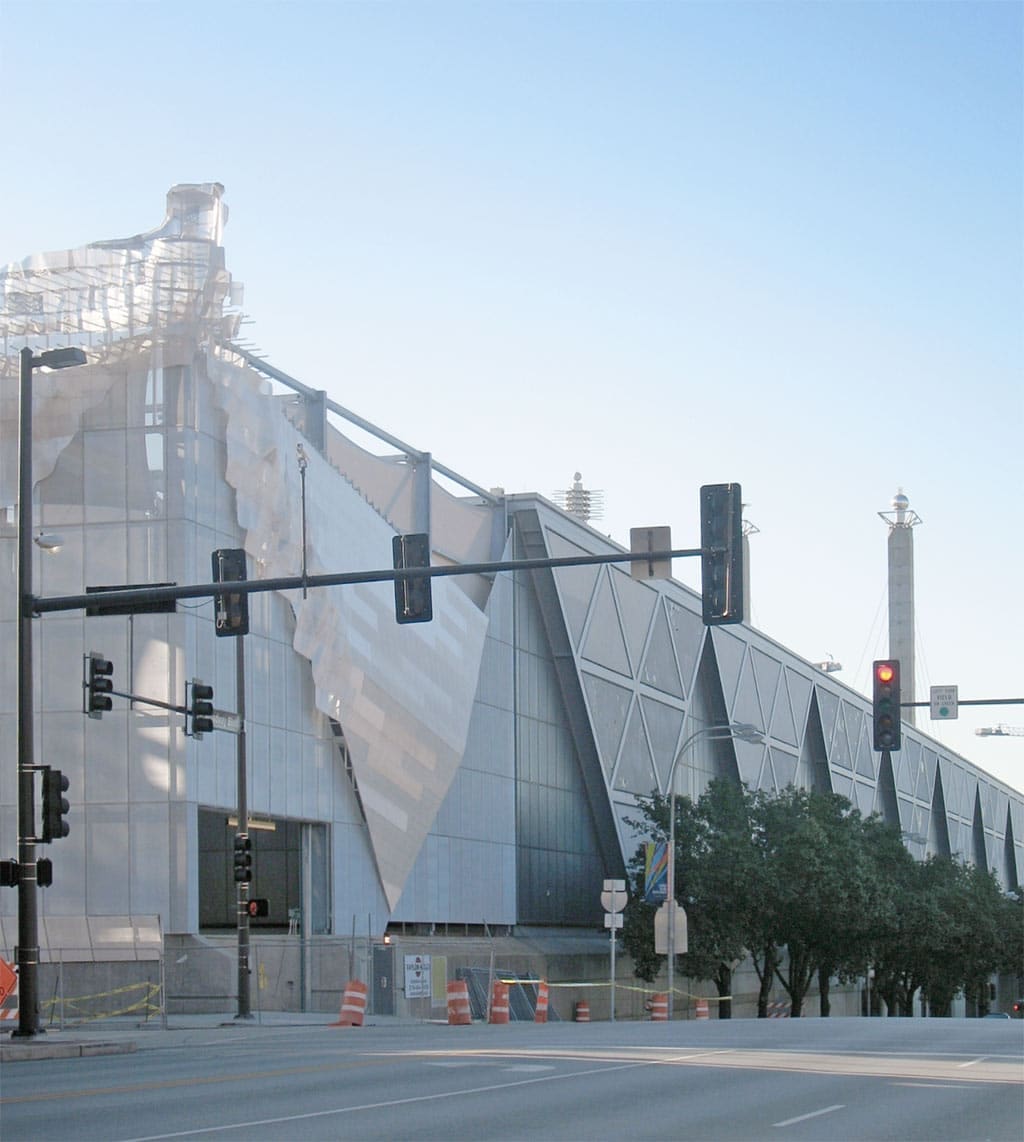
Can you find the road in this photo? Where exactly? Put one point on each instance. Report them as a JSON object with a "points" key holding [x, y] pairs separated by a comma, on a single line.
{"points": [[742, 1079]]}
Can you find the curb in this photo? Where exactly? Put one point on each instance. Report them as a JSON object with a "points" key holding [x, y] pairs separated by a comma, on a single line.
{"points": [[16, 1050]]}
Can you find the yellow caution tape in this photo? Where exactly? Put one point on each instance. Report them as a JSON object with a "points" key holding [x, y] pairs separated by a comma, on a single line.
{"points": [[643, 990], [80, 1016]]}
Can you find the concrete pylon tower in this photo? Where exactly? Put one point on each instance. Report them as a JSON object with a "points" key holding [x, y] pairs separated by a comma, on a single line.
{"points": [[902, 521]]}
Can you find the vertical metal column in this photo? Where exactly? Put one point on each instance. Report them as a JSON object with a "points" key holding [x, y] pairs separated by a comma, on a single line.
{"points": [[28, 897], [244, 1008]]}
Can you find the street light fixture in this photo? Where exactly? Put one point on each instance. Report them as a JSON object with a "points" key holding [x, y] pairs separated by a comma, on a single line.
{"points": [[49, 542], [28, 899], [744, 731]]}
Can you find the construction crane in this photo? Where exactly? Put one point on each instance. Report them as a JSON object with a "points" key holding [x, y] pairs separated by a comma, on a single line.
{"points": [[1000, 732]]}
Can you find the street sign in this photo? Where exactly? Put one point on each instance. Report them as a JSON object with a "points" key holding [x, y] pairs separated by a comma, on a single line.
{"points": [[646, 541], [160, 607], [661, 921], [943, 703], [615, 896]]}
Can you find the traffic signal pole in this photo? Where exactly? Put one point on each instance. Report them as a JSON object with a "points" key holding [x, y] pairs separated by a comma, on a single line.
{"points": [[244, 974]]}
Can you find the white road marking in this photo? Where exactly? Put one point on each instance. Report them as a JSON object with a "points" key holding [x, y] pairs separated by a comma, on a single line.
{"points": [[388, 1104], [812, 1114], [938, 1085]]}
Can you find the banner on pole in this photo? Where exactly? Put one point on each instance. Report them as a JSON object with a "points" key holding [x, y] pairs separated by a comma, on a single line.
{"points": [[655, 871]]}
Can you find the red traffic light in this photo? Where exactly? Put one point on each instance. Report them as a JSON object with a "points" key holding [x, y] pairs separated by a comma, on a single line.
{"points": [[885, 704]]}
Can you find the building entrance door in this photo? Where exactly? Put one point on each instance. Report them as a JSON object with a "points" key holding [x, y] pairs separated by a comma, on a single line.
{"points": [[383, 979]]}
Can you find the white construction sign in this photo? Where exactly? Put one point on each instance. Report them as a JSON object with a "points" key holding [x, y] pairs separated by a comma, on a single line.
{"points": [[417, 977]]}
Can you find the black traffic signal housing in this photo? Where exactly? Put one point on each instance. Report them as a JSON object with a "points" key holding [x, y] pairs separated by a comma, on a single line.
{"points": [[243, 858], [258, 907], [231, 609], [413, 602], [44, 872], [10, 873], [886, 723], [721, 549], [55, 805], [200, 710], [97, 685]]}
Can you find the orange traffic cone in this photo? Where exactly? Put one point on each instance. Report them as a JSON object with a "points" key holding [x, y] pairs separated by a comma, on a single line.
{"points": [[353, 1005]]}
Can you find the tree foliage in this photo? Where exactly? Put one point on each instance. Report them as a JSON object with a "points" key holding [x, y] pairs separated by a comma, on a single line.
{"points": [[807, 887]]}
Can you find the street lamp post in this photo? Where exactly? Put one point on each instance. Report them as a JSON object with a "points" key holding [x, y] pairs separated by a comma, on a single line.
{"points": [[28, 900], [745, 732]]}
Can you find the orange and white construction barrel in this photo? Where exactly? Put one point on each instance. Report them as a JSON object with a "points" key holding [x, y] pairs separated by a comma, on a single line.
{"points": [[499, 1002], [353, 1005], [459, 1014]]}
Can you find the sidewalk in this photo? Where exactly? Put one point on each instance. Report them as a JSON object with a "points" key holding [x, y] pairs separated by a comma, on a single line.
{"points": [[124, 1036]]}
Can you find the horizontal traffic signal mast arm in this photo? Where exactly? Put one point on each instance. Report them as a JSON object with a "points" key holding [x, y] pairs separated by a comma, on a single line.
{"points": [[975, 702], [174, 709], [58, 603]]}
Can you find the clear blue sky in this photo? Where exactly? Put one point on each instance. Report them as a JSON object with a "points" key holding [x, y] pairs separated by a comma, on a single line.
{"points": [[664, 244]]}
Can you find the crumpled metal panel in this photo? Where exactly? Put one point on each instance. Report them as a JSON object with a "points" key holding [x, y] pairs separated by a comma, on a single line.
{"points": [[403, 694], [124, 289], [116, 299]]}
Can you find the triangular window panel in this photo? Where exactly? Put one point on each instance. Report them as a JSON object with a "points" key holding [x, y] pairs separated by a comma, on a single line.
{"points": [[659, 669], [751, 761], [766, 675], [635, 772], [926, 776], [609, 705], [604, 643], [841, 754], [865, 760], [863, 798], [729, 652], [800, 691], [688, 635], [954, 789], [636, 606], [575, 584], [663, 726], [745, 705], [828, 710], [842, 783], [906, 764], [987, 797], [783, 728], [784, 765]]}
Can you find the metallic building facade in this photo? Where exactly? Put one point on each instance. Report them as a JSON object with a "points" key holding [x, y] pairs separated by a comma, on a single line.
{"points": [[475, 770]]}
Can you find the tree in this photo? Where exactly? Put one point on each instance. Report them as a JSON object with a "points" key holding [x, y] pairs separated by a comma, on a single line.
{"points": [[719, 878], [724, 888]]}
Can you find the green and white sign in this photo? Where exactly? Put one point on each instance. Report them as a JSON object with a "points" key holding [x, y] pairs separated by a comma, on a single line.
{"points": [[944, 703]]}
